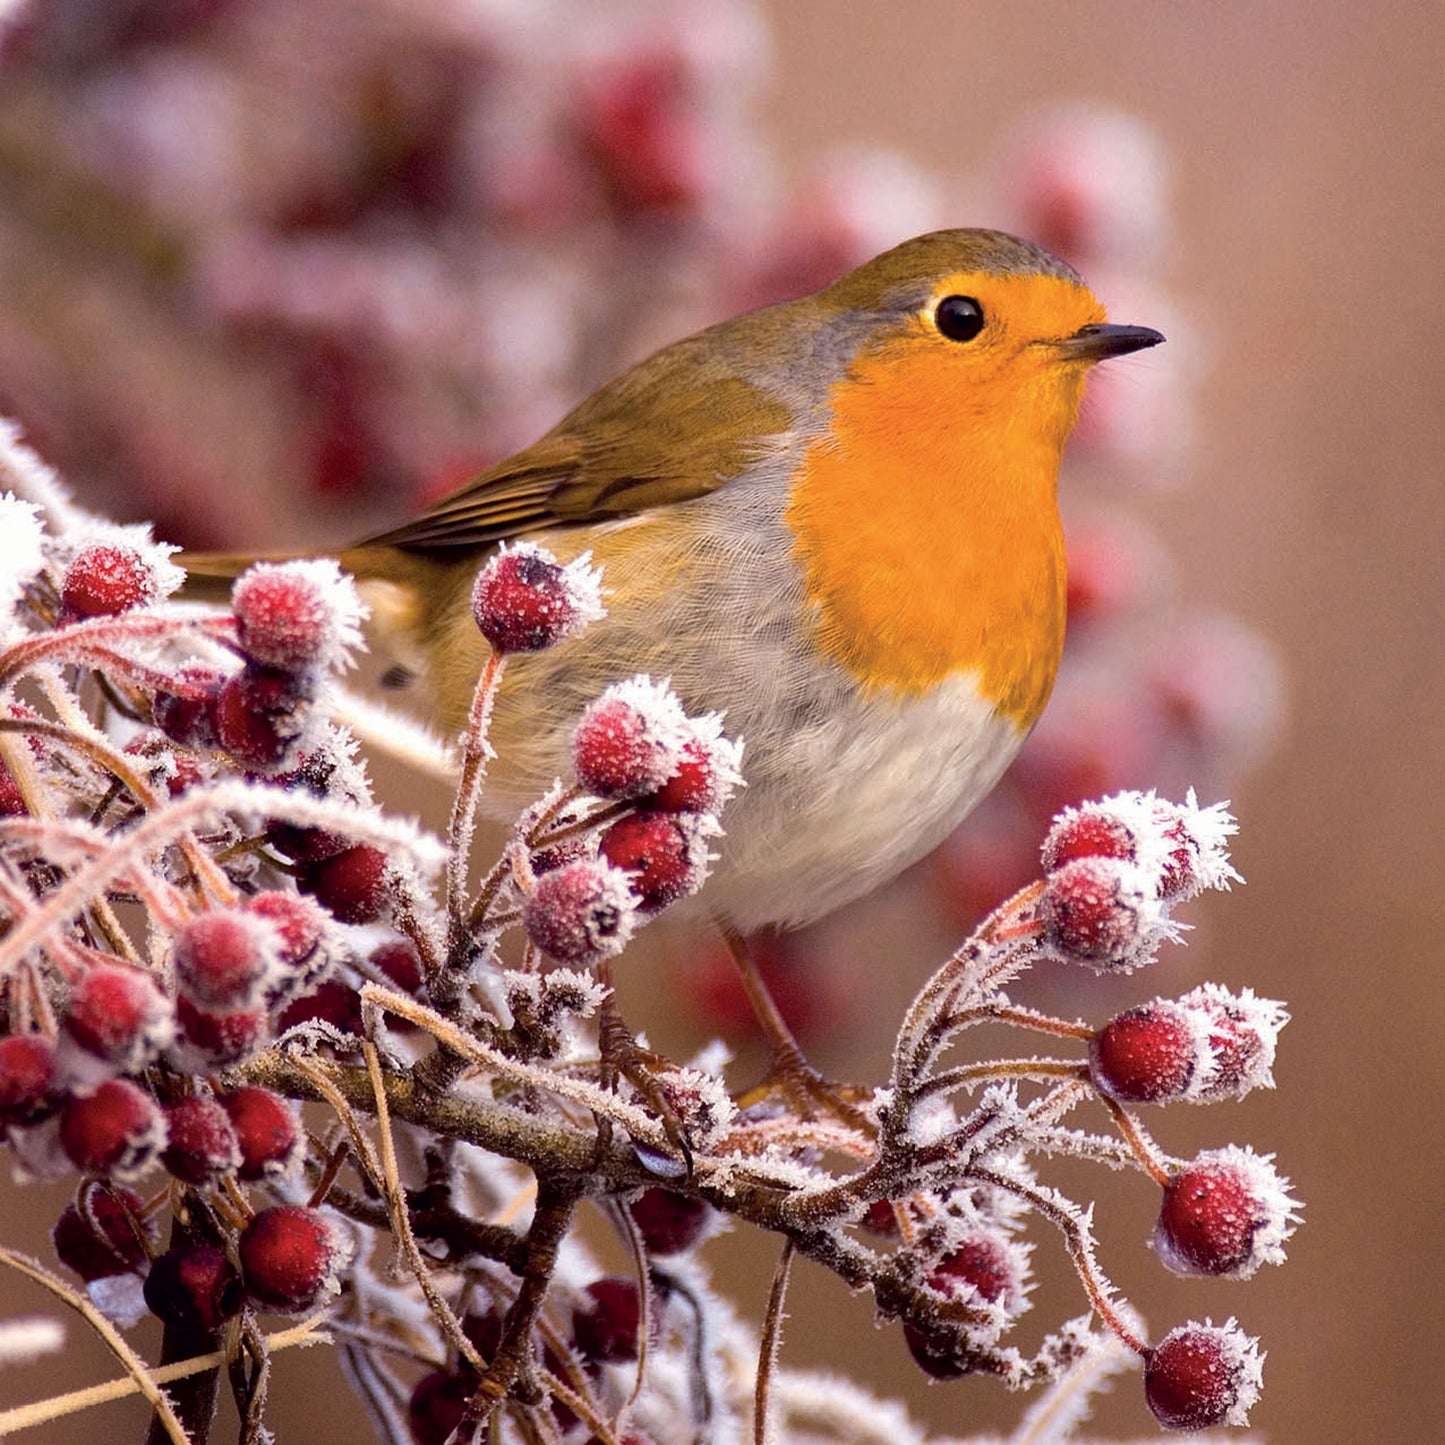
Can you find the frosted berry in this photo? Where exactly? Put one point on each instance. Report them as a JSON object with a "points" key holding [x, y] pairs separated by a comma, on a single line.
{"points": [[606, 1321], [629, 741], [296, 615], [103, 1233], [299, 925], [1091, 831], [1225, 1213], [27, 1078], [226, 959], [104, 580], [982, 1267], [1147, 1055], [12, 802], [669, 1223], [118, 1130], [201, 1142], [524, 600], [707, 771], [217, 1038], [194, 1287], [353, 886], [260, 714], [664, 858], [187, 716], [1243, 1035], [268, 1132], [1096, 911], [165, 767], [581, 913], [290, 1257], [1199, 1376], [120, 1015]]}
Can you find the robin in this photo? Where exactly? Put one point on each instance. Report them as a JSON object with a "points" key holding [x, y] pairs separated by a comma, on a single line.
{"points": [[833, 520]]}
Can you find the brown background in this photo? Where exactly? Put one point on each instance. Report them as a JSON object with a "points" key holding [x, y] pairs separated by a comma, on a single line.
{"points": [[1308, 161]]}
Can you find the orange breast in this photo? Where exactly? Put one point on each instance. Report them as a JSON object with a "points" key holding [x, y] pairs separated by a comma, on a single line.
{"points": [[927, 527]]}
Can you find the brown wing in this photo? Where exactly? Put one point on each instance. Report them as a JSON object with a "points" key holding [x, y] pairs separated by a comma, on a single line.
{"points": [[643, 440]]}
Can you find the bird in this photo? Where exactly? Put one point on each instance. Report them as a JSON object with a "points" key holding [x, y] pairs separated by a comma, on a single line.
{"points": [[834, 520]]}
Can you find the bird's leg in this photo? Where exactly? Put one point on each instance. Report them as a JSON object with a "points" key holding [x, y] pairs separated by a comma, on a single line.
{"points": [[621, 1055], [788, 1072]]}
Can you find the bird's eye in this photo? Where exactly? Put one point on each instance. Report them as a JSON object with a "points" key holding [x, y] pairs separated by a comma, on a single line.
{"points": [[960, 318]]}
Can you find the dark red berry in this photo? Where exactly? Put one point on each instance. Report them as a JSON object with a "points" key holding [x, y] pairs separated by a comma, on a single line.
{"points": [[663, 860], [216, 1039], [103, 580], [1146, 1055], [117, 1130], [298, 923], [194, 1287], [606, 1320], [165, 767], [1094, 913], [201, 1143], [669, 1223], [1092, 831], [268, 1131], [289, 1257], [696, 787], [1209, 1217], [27, 1078], [186, 716], [628, 743], [1200, 1376], [12, 802], [119, 1014], [581, 913], [333, 1001], [260, 714], [103, 1234], [982, 1261], [438, 1404], [524, 600], [285, 617], [226, 959], [353, 886]]}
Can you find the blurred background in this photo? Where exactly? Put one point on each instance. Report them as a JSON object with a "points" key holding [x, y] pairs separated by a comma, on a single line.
{"points": [[274, 272]]}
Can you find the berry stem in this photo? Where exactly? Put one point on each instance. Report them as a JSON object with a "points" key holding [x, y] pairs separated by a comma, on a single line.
{"points": [[1151, 1158], [475, 752]]}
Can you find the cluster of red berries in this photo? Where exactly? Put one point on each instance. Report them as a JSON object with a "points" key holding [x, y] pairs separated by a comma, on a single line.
{"points": [[633, 746], [295, 624]]}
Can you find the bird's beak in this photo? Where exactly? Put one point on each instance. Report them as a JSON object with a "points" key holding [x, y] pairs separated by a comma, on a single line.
{"points": [[1096, 343]]}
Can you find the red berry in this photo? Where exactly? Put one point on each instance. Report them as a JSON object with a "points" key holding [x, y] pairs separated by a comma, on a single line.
{"points": [[187, 716], [1243, 1032], [117, 1130], [629, 742], [27, 1078], [605, 1322], [216, 1039], [1146, 1055], [669, 1223], [333, 1001], [103, 580], [226, 959], [1225, 1213], [1091, 831], [201, 1143], [103, 1234], [194, 1287], [260, 714], [354, 886], [285, 615], [1200, 1376], [165, 766], [981, 1267], [120, 1015], [524, 600], [881, 1218], [12, 803], [664, 859], [581, 913], [290, 1257], [298, 923], [1095, 912], [438, 1404], [268, 1130]]}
